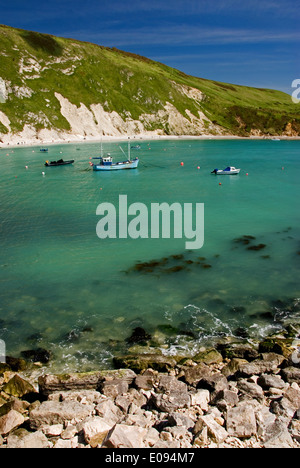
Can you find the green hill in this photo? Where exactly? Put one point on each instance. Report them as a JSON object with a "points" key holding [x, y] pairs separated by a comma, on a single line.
{"points": [[51, 84]]}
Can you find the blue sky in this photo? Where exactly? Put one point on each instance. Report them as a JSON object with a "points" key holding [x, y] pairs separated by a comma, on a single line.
{"points": [[254, 42]]}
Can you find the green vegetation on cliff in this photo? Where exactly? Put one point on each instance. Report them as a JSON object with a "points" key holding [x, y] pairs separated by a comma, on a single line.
{"points": [[34, 67]]}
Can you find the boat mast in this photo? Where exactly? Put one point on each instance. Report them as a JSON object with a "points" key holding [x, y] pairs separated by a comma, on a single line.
{"points": [[101, 147]]}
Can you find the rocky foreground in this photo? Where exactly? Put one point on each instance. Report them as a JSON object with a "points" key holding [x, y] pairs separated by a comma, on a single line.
{"points": [[236, 396]]}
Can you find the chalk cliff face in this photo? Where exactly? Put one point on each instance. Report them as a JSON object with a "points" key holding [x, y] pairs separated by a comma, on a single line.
{"points": [[53, 88]]}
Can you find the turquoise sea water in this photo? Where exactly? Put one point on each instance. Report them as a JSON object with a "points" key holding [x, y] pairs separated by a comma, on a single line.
{"points": [[64, 289]]}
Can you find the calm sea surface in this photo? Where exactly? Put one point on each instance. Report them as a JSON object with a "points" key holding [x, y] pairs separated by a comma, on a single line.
{"points": [[64, 289]]}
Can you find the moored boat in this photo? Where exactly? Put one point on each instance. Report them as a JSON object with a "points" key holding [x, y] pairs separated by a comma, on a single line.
{"points": [[106, 162], [230, 170], [44, 150], [61, 162]]}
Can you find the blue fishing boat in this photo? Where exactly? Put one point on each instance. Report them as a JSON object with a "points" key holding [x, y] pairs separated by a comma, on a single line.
{"points": [[106, 162], [44, 150]]}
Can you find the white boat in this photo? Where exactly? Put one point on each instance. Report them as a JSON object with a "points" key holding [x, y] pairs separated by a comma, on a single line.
{"points": [[230, 170], [106, 162]]}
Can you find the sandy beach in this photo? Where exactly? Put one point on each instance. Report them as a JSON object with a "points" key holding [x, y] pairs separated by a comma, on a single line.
{"points": [[55, 138]]}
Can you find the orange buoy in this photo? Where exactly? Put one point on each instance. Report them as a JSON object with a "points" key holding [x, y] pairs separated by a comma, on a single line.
{"points": [[182, 164], [220, 183], [198, 167]]}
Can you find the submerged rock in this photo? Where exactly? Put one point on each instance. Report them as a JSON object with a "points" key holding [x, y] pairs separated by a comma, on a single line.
{"points": [[257, 247], [37, 355], [139, 335]]}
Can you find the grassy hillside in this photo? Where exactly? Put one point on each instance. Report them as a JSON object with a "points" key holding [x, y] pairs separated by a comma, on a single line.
{"points": [[35, 66]]}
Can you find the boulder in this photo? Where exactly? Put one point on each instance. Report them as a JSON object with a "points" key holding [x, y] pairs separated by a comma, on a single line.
{"points": [[169, 383], [200, 398], [68, 382], [193, 375], [14, 404], [267, 381], [241, 421], [214, 383], [18, 387], [215, 432], [288, 405], [109, 411], [52, 412], [291, 374], [123, 436], [208, 357], [145, 381], [239, 351], [250, 389], [141, 362], [269, 363], [171, 402], [226, 398], [10, 421], [37, 355], [95, 430], [22, 439], [116, 383], [180, 420], [276, 345], [278, 436], [234, 367]]}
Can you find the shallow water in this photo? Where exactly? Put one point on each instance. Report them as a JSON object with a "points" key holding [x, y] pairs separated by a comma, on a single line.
{"points": [[64, 289]]}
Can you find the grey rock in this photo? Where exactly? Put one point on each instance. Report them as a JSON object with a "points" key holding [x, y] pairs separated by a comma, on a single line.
{"points": [[288, 405], [144, 382], [75, 382], [200, 398], [214, 384], [168, 384], [267, 381], [291, 374], [95, 430], [241, 421], [181, 420], [229, 397], [24, 440], [109, 411], [278, 436], [192, 375], [52, 412], [250, 389], [171, 402], [269, 363], [123, 436], [10, 421], [115, 383], [215, 432]]}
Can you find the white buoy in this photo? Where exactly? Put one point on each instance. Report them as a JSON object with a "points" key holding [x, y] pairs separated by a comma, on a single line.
{"points": [[43, 174]]}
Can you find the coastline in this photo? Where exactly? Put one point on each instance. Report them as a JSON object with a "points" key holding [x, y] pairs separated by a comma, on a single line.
{"points": [[17, 141], [235, 396]]}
